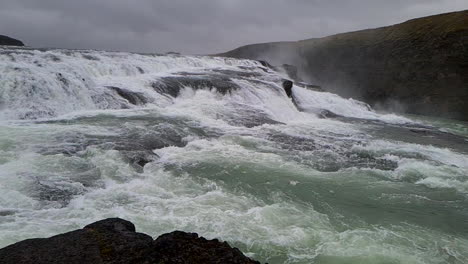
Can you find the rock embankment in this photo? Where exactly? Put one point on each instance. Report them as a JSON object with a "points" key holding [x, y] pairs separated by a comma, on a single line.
{"points": [[7, 41], [115, 240], [420, 65]]}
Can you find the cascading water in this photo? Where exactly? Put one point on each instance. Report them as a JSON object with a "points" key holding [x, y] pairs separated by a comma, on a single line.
{"points": [[214, 146]]}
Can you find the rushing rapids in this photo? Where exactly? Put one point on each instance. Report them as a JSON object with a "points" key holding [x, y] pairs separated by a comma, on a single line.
{"points": [[214, 145]]}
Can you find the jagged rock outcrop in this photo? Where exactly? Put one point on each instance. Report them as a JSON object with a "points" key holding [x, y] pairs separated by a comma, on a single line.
{"points": [[287, 86], [421, 64], [5, 40], [114, 240], [132, 97]]}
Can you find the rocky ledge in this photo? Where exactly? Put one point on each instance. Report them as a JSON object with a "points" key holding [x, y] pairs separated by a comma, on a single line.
{"points": [[5, 40], [115, 240]]}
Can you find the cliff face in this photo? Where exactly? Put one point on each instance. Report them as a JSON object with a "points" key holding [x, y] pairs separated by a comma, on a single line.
{"points": [[421, 64], [5, 40]]}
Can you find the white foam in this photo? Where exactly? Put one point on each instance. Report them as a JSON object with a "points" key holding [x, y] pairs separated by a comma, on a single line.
{"points": [[313, 101], [55, 82], [431, 166], [235, 185]]}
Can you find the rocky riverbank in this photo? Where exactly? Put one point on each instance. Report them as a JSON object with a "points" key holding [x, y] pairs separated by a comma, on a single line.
{"points": [[115, 240], [419, 66]]}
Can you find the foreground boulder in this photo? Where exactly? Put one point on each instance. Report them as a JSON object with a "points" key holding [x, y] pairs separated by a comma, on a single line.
{"points": [[114, 240], [181, 247], [5, 40]]}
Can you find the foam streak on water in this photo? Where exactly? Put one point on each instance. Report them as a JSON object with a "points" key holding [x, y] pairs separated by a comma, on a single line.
{"points": [[214, 146]]}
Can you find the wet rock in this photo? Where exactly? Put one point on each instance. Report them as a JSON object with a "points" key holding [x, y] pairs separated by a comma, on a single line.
{"points": [[173, 53], [309, 86], [115, 240], [327, 114], [140, 70], [327, 152], [63, 80], [423, 132], [287, 85], [138, 159], [246, 116], [247, 73], [90, 57], [292, 143], [265, 64], [181, 247], [132, 97], [321, 113], [172, 85], [59, 192], [7, 212], [109, 241], [5, 40], [154, 133], [37, 113], [53, 58]]}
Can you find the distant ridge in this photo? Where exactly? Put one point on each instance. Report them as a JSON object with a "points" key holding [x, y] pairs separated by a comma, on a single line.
{"points": [[420, 65], [5, 40]]}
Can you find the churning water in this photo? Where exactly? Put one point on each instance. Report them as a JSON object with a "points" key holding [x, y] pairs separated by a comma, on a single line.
{"points": [[214, 146]]}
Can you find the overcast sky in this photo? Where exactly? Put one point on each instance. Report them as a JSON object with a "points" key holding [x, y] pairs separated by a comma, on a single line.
{"points": [[198, 26]]}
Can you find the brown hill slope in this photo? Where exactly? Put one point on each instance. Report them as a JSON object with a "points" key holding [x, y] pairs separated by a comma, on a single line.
{"points": [[421, 64]]}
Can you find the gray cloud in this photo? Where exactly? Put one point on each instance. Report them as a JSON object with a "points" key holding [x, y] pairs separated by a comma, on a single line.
{"points": [[198, 26]]}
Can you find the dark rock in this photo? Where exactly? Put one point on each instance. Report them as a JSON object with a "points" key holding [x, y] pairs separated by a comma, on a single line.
{"points": [[422, 64], [173, 53], [292, 143], [7, 212], [321, 113], [181, 247], [247, 73], [59, 193], [309, 86], [63, 80], [113, 224], [138, 159], [423, 132], [140, 70], [114, 240], [132, 97], [246, 116], [5, 40], [327, 114], [109, 241], [90, 57], [265, 64], [52, 57], [287, 85], [172, 85]]}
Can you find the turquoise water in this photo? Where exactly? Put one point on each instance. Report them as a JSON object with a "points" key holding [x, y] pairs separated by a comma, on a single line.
{"points": [[266, 195], [449, 125]]}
